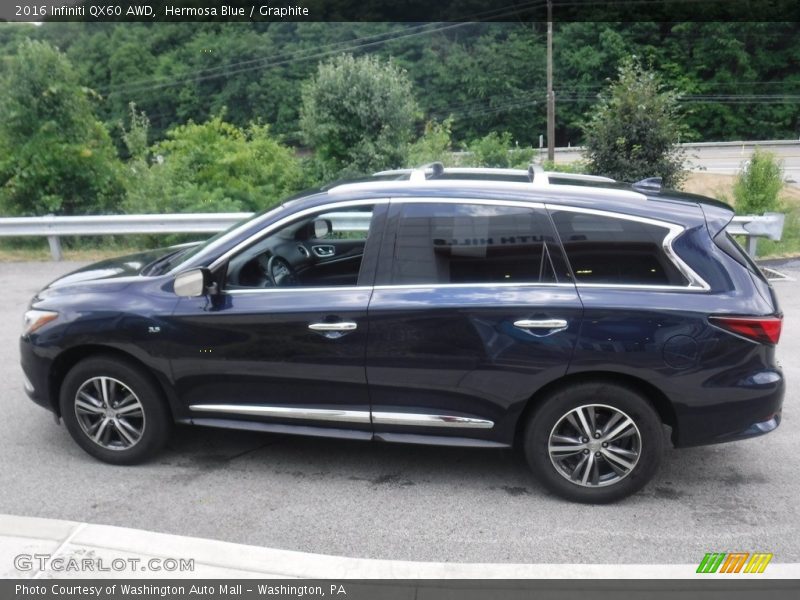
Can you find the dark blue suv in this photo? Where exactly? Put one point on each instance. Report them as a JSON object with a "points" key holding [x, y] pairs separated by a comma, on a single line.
{"points": [[573, 316]]}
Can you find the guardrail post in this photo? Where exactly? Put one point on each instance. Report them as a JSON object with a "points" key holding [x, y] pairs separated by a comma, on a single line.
{"points": [[55, 247], [752, 245]]}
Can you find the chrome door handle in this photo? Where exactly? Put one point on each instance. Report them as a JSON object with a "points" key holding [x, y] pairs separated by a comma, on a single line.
{"points": [[338, 326], [541, 324]]}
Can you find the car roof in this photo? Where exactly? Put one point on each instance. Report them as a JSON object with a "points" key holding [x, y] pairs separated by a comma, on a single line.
{"points": [[643, 198]]}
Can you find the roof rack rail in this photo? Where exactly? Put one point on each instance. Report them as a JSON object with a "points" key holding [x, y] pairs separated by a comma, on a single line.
{"points": [[651, 183], [420, 173], [536, 174]]}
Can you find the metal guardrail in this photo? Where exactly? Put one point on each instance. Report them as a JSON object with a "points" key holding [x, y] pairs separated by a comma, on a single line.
{"points": [[769, 226], [53, 227]]}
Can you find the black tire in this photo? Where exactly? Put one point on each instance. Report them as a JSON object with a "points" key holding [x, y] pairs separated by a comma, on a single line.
{"points": [[603, 402], [125, 385]]}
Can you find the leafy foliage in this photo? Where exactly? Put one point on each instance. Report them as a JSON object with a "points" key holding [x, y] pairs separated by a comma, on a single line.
{"points": [[487, 76], [56, 156], [492, 150], [759, 184], [210, 167], [358, 113], [634, 132], [434, 145]]}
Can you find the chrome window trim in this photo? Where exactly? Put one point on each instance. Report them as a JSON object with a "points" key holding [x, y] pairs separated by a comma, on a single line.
{"points": [[696, 283], [287, 219], [426, 420], [426, 286], [343, 288]]}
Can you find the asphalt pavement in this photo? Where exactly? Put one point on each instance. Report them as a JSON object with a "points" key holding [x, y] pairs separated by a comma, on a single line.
{"points": [[371, 500]]}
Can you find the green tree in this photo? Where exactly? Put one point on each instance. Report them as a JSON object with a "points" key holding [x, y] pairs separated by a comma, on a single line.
{"points": [[358, 113], [434, 145], [492, 150], [759, 184], [210, 167], [58, 158], [635, 129]]}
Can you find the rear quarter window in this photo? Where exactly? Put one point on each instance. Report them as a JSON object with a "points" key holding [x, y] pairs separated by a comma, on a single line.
{"points": [[612, 250]]}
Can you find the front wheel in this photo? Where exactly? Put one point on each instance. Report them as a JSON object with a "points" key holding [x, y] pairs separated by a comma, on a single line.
{"points": [[594, 442], [114, 411]]}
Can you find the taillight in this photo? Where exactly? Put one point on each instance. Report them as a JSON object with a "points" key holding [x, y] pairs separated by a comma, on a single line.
{"points": [[766, 330]]}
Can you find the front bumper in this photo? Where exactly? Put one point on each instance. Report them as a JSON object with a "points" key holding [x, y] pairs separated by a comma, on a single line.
{"points": [[35, 369]]}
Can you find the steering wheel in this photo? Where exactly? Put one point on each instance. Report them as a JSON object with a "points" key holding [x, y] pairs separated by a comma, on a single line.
{"points": [[280, 272]]}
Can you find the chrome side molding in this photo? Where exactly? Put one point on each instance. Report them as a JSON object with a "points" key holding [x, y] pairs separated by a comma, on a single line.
{"points": [[394, 418], [347, 416], [286, 412]]}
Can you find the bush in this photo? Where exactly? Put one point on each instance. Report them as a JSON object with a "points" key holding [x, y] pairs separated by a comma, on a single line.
{"points": [[211, 167], [492, 150], [434, 145], [578, 167], [634, 131], [357, 114], [758, 185]]}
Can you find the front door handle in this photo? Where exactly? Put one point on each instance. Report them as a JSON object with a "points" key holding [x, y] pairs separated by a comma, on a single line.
{"points": [[338, 326], [541, 324]]}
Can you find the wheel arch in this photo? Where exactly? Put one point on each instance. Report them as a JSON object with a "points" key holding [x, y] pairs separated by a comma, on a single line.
{"points": [[661, 403], [67, 359]]}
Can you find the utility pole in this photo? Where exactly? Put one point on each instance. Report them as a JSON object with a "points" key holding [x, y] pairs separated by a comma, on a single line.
{"points": [[551, 97]]}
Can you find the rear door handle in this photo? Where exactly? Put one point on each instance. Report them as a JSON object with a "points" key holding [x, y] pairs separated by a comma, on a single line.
{"points": [[541, 324], [338, 326]]}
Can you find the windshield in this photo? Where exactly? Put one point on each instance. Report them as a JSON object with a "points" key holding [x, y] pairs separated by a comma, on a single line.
{"points": [[180, 257]]}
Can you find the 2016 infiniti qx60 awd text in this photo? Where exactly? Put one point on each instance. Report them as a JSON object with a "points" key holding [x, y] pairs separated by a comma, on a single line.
{"points": [[572, 315]]}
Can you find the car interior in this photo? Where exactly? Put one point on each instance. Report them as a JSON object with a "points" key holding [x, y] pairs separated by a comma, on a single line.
{"points": [[318, 251]]}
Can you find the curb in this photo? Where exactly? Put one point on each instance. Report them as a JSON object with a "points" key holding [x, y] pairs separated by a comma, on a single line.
{"points": [[104, 546]]}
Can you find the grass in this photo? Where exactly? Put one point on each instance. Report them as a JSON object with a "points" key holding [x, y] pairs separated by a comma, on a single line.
{"points": [[31, 249]]}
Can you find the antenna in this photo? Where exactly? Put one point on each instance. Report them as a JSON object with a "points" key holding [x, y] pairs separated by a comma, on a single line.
{"points": [[651, 183]]}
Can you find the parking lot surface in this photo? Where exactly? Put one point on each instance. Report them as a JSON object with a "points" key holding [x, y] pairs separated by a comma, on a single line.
{"points": [[374, 500]]}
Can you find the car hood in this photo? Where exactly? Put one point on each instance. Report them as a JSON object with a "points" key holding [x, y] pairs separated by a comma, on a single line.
{"points": [[117, 268]]}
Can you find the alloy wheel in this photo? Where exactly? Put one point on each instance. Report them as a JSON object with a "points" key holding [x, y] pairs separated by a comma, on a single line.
{"points": [[595, 445], [109, 413]]}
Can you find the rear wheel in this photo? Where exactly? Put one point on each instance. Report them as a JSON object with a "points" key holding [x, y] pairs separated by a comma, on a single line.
{"points": [[114, 411], [594, 442]]}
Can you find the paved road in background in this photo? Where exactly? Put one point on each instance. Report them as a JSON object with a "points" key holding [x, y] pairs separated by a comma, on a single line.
{"points": [[726, 158], [399, 502]]}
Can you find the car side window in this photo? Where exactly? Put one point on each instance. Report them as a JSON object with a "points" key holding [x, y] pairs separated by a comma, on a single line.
{"points": [[444, 243], [611, 250], [324, 249]]}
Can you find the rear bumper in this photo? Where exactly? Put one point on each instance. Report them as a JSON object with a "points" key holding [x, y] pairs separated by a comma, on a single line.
{"points": [[750, 409]]}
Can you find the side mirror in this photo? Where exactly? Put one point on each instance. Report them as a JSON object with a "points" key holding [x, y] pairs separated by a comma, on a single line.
{"points": [[322, 227], [194, 283]]}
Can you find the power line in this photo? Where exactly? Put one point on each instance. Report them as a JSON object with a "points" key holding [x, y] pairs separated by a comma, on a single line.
{"points": [[261, 63]]}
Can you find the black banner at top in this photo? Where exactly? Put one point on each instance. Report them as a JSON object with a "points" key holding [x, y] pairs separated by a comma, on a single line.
{"points": [[150, 11]]}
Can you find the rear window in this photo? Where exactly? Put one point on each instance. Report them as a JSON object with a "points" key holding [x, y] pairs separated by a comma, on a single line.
{"points": [[611, 250]]}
